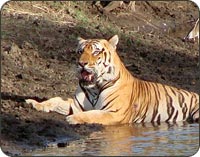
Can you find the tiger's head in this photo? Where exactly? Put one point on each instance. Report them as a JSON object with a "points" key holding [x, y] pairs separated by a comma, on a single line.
{"points": [[96, 62]]}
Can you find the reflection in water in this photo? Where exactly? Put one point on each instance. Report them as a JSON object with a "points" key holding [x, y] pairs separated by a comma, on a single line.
{"points": [[136, 139]]}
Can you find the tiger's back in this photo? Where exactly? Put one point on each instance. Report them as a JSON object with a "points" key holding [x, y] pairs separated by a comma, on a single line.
{"points": [[165, 103]]}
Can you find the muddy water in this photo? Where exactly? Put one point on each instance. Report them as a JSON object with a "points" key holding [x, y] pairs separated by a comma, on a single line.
{"points": [[164, 139]]}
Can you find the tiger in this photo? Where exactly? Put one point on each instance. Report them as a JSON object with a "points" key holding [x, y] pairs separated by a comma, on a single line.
{"points": [[108, 94]]}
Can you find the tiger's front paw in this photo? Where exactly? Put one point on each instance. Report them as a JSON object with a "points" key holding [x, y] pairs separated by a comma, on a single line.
{"points": [[73, 119], [36, 105]]}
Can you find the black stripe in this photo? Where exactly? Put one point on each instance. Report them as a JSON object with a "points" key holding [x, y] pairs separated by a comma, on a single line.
{"points": [[109, 56], [108, 96], [131, 99], [109, 70], [95, 97], [145, 88], [157, 87], [81, 107], [99, 62], [169, 104], [190, 104], [194, 102], [147, 96], [136, 119], [138, 96], [172, 89], [195, 112], [86, 94], [158, 120], [132, 95], [155, 111], [70, 111], [105, 64], [109, 103], [184, 111], [105, 55], [181, 99], [109, 84], [144, 115], [175, 117], [195, 96], [92, 93], [183, 91]]}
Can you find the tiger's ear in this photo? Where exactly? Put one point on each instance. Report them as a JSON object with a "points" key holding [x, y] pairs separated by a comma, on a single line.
{"points": [[114, 41], [80, 40]]}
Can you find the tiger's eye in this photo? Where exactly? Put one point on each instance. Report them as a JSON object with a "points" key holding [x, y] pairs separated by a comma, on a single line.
{"points": [[96, 53]]}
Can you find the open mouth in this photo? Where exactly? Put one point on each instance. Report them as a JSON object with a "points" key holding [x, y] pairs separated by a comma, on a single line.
{"points": [[87, 76]]}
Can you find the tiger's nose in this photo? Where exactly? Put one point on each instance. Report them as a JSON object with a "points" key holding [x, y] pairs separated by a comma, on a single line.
{"points": [[82, 63]]}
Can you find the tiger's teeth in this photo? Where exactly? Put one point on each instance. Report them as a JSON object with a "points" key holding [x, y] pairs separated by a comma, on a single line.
{"points": [[89, 77]]}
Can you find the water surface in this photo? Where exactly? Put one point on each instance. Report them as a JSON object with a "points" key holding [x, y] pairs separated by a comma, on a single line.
{"points": [[134, 140]]}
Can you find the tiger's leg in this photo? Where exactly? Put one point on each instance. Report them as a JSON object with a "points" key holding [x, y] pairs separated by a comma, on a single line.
{"points": [[195, 113], [56, 104], [194, 109], [93, 116]]}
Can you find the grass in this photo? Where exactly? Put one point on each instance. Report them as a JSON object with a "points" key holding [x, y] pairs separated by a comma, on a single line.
{"points": [[81, 17], [51, 11], [60, 12]]}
